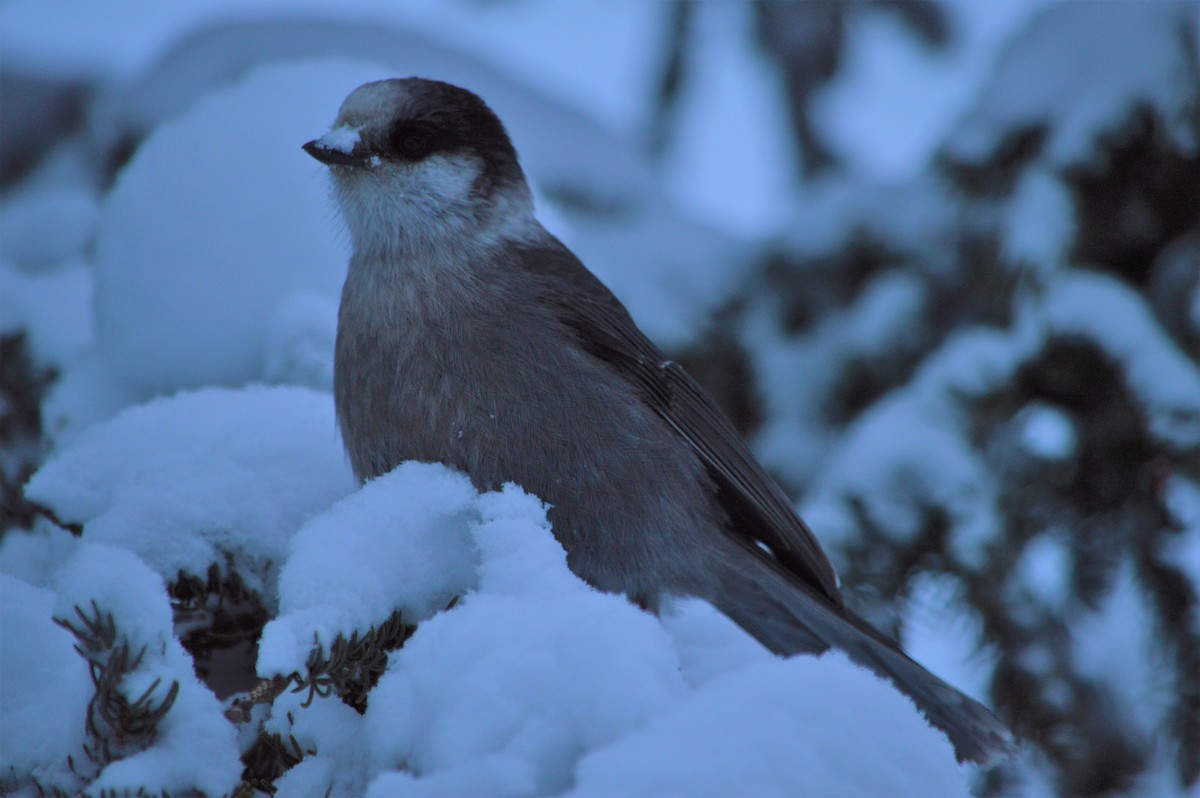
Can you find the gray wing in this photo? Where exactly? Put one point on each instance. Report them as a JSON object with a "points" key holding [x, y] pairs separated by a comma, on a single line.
{"points": [[758, 510]]}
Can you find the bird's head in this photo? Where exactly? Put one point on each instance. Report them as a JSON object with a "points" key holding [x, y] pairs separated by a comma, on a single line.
{"points": [[415, 160]]}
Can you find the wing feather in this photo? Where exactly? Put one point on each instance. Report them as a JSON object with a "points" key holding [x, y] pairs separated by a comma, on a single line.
{"points": [[758, 509]]}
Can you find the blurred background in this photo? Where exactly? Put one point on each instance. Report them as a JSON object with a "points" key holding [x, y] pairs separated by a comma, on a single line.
{"points": [[938, 259]]}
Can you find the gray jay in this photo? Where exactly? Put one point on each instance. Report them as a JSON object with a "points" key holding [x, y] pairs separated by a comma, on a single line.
{"points": [[470, 336]]}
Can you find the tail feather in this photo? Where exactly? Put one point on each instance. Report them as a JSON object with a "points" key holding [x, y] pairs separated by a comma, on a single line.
{"points": [[789, 619]]}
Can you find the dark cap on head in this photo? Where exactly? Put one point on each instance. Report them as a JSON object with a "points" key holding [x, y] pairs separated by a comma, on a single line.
{"points": [[410, 119]]}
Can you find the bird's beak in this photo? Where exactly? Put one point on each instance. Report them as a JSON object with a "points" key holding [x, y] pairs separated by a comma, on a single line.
{"points": [[333, 156]]}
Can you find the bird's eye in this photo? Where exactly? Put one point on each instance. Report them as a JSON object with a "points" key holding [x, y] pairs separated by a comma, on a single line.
{"points": [[414, 144]]}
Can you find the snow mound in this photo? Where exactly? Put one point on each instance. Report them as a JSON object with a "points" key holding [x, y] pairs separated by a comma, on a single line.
{"points": [[502, 694], [186, 480], [536, 684], [46, 689], [189, 271], [780, 728], [400, 543]]}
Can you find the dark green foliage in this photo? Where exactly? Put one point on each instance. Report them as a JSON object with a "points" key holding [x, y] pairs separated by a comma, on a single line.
{"points": [[348, 670], [1142, 193], [223, 621], [352, 666], [23, 386], [268, 759]]}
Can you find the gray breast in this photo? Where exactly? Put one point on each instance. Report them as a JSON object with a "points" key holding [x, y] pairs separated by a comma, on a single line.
{"points": [[433, 367]]}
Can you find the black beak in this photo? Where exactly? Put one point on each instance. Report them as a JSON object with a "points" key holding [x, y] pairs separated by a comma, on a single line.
{"points": [[333, 157]]}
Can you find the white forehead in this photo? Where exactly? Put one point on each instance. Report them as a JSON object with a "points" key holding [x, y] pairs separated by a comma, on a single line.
{"points": [[371, 102]]}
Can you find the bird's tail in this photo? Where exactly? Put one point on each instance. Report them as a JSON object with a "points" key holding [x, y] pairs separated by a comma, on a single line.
{"points": [[790, 619]]}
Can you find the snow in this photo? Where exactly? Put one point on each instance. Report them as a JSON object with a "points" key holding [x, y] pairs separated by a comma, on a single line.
{"points": [[708, 643], [1045, 570], [911, 451], [1161, 376], [299, 344], [743, 152], [193, 747], [177, 306], [35, 556], [54, 308], [903, 457], [46, 224], [943, 638], [85, 393], [536, 684], [779, 728], [1116, 61], [1039, 222], [1046, 432], [46, 688], [797, 375], [185, 480], [183, 298], [409, 525], [1183, 551], [340, 139], [216, 261], [1114, 644], [890, 105]]}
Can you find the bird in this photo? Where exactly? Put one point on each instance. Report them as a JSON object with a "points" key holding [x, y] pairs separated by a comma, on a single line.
{"points": [[469, 335]]}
